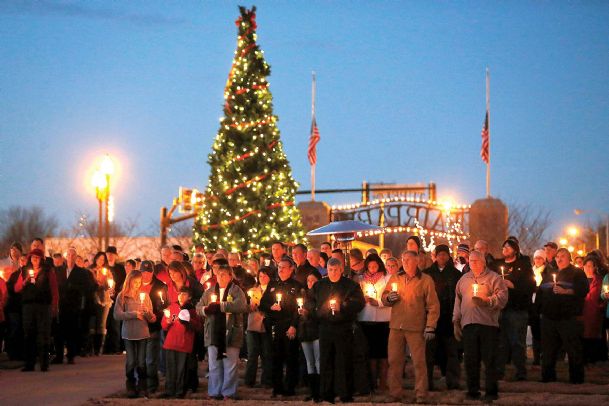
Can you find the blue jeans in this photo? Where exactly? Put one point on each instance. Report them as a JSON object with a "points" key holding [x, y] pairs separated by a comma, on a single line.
{"points": [[136, 358], [222, 373], [311, 352], [153, 352], [512, 342], [258, 345]]}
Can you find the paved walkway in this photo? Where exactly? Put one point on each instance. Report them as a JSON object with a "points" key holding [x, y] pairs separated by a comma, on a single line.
{"points": [[67, 385]]}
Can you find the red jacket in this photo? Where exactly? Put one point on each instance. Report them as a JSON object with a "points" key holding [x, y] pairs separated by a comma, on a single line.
{"points": [[593, 309], [180, 335]]}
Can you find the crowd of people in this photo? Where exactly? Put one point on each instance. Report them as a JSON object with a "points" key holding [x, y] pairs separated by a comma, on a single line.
{"points": [[342, 324]]}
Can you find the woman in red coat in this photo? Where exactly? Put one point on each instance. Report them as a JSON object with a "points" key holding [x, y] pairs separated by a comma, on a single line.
{"points": [[593, 312]]}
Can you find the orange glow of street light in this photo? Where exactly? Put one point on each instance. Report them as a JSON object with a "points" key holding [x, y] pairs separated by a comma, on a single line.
{"points": [[573, 231], [107, 165]]}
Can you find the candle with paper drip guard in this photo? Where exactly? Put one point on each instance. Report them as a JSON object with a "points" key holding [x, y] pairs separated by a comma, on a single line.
{"points": [[161, 296], [394, 287], [214, 298], [31, 273], [278, 296], [142, 297], [111, 283], [332, 305], [475, 289], [554, 277], [300, 302], [167, 313]]}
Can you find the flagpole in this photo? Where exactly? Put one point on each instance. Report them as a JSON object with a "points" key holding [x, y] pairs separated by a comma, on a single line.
{"points": [[488, 112], [313, 117]]}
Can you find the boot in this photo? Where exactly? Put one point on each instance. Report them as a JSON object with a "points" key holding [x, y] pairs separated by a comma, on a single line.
{"points": [[96, 344], [130, 384], [102, 342], [314, 388], [142, 382]]}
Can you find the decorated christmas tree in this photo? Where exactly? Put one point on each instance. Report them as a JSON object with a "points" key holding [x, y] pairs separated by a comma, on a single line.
{"points": [[249, 201]]}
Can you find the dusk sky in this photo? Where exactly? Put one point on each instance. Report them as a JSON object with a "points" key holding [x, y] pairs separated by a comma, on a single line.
{"points": [[401, 98]]}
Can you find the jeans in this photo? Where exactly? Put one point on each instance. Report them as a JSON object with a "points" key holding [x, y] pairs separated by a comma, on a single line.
{"points": [[480, 344], [176, 372], [136, 358], [258, 345], [512, 342], [153, 347], [222, 372], [311, 352]]}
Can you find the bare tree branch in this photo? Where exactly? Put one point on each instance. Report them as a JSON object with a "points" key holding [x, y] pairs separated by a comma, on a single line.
{"points": [[529, 224]]}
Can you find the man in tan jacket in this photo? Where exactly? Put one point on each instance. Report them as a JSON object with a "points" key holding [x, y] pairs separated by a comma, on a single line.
{"points": [[414, 314]]}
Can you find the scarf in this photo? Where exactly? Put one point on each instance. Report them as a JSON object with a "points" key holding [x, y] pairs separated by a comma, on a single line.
{"points": [[373, 278], [218, 334]]}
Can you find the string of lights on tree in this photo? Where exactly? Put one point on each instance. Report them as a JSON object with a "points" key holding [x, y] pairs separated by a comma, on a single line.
{"points": [[249, 201]]}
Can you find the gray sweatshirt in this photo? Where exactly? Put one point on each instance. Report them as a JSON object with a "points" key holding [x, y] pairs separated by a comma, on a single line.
{"points": [[490, 285], [125, 309]]}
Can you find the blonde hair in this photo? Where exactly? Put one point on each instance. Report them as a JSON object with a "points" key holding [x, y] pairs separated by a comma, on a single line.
{"points": [[135, 274]]}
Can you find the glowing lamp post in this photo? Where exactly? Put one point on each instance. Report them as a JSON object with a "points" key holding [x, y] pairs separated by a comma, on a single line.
{"points": [[101, 182]]}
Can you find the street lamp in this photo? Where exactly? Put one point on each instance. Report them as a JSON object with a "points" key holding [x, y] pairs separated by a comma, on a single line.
{"points": [[107, 169], [100, 184], [580, 212]]}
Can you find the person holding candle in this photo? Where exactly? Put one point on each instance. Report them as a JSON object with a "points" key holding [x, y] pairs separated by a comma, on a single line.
{"points": [[308, 335], [560, 303], [374, 320], [335, 329], [117, 272], [518, 274], [102, 302], [223, 332], [136, 312], [414, 314], [281, 319], [258, 342], [40, 303], [539, 270], [157, 292], [181, 323], [593, 312], [75, 300], [13, 344], [443, 349], [476, 324]]}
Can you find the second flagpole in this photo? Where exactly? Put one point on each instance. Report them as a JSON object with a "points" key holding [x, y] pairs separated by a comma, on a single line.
{"points": [[313, 118]]}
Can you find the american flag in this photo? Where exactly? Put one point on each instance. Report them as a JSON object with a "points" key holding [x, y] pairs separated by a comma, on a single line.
{"points": [[484, 150], [313, 140]]}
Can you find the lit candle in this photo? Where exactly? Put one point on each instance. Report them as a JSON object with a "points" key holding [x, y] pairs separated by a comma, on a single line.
{"points": [[214, 298], [206, 277], [142, 297], [300, 302], [161, 296], [370, 291], [606, 288], [554, 277], [104, 271], [250, 293], [207, 285], [111, 283], [394, 287], [502, 273], [332, 303], [278, 296], [167, 313], [2, 274], [475, 287], [31, 273], [538, 279]]}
